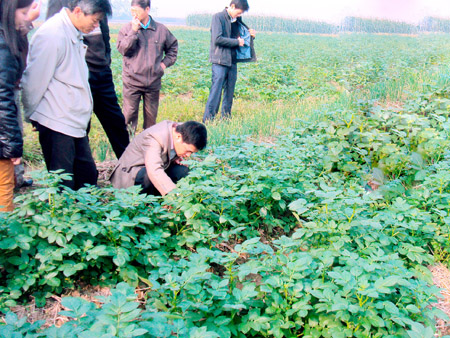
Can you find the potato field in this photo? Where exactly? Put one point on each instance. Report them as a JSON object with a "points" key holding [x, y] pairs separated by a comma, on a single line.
{"points": [[314, 212]]}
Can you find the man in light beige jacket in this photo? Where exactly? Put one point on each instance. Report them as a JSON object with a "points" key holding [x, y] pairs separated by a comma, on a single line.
{"points": [[56, 95], [152, 160]]}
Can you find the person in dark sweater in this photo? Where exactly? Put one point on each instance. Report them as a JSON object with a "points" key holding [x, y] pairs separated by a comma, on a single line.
{"points": [[231, 42], [98, 59]]}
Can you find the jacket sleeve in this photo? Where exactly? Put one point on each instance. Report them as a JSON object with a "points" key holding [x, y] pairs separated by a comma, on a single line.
{"points": [[10, 133], [127, 41], [217, 34], [155, 167], [43, 58], [170, 49], [104, 27]]}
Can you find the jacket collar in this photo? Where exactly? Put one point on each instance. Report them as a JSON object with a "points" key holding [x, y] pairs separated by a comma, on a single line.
{"points": [[152, 25], [171, 127], [225, 13], [74, 34], [172, 153], [227, 17]]}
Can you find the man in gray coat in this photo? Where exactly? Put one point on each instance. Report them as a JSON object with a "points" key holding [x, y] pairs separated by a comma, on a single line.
{"points": [[152, 160]]}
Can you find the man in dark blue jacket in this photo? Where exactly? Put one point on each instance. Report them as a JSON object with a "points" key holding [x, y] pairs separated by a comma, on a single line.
{"points": [[225, 40]]}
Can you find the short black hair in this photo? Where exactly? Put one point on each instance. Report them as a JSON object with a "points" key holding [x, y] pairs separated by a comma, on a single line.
{"points": [[240, 4], [194, 133], [141, 3], [91, 7]]}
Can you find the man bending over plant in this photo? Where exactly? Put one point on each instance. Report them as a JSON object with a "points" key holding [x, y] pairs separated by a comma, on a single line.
{"points": [[153, 158]]}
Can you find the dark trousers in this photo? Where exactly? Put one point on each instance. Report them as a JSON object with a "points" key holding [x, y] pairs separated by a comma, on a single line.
{"points": [[132, 97], [69, 153], [108, 110], [175, 171], [223, 78]]}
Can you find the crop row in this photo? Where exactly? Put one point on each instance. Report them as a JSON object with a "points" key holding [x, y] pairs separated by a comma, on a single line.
{"points": [[267, 240], [291, 67]]}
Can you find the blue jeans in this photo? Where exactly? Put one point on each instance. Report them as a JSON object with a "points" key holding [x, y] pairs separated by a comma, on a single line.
{"points": [[223, 77]]}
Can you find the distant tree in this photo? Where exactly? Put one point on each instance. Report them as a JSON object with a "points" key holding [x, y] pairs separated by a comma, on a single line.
{"points": [[121, 9]]}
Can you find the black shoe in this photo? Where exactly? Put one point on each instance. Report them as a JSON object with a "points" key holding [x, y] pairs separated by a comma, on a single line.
{"points": [[27, 183]]}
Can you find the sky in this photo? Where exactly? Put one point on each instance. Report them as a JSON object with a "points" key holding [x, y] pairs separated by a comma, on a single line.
{"points": [[411, 11]]}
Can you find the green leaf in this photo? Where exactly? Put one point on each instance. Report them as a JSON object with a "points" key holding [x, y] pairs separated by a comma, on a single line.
{"points": [[138, 332], [299, 206], [202, 332], [98, 251], [391, 308], [121, 257], [376, 321], [412, 308], [276, 196], [160, 306], [54, 282], [11, 318]]}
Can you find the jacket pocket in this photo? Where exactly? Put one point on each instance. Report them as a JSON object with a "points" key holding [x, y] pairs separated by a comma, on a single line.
{"points": [[160, 70]]}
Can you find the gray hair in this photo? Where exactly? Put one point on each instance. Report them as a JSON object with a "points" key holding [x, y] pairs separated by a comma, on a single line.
{"points": [[90, 7]]}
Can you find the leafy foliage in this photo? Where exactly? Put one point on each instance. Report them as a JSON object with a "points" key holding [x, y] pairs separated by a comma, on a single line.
{"points": [[349, 24], [365, 25], [270, 24], [262, 239], [291, 67], [435, 24]]}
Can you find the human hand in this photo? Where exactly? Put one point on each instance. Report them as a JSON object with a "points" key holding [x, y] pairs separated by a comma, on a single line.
{"points": [[16, 161], [163, 66], [34, 11], [252, 33], [241, 42], [135, 24]]}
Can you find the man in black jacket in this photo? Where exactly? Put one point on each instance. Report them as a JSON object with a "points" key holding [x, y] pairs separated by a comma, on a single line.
{"points": [[225, 40], [98, 59]]}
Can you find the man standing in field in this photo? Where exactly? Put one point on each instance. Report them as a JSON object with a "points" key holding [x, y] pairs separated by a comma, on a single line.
{"points": [[56, 94], [153, 158], [98, 59], [231, 42], [148, 48]]}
